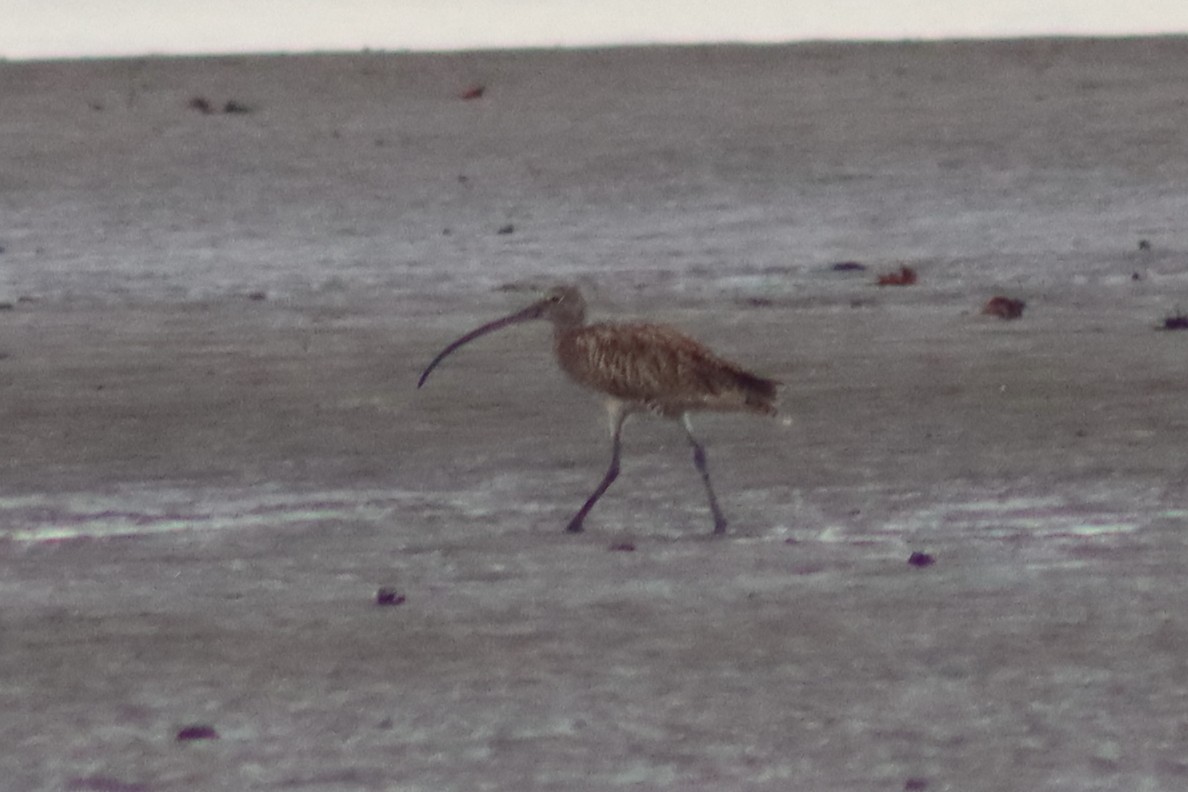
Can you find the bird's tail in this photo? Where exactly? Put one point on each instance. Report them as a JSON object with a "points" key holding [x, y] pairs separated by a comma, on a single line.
{"points": [[760, 394]]}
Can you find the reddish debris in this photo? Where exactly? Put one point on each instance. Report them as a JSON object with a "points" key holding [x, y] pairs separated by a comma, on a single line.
{"points": [[388, 596], [918, 559], [474, 92], [197, 732], [623, 547], [1004, 307], [905, 276]]}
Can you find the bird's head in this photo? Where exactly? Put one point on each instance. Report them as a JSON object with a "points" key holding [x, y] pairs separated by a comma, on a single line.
{"points": [[564, 306]]}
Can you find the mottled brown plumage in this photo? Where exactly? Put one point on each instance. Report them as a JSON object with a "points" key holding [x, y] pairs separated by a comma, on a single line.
{"points": [[660, 369], [640, 367]]}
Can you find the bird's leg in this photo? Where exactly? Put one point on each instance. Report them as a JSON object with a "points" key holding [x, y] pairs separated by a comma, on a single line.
{"points": [[618, 414], [703, 469]]}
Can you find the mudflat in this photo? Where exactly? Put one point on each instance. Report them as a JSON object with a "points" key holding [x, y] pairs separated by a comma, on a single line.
{"points": [[215, 455]]}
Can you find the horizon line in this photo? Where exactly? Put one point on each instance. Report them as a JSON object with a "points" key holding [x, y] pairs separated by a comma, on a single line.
{"points": [[583, 46]]}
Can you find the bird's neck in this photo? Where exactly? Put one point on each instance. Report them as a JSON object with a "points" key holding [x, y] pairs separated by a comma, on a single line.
{"points": [[563, 329]]}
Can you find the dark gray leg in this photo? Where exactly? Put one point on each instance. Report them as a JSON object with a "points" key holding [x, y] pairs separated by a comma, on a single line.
{"points": [[618, 414], [703, 469]]}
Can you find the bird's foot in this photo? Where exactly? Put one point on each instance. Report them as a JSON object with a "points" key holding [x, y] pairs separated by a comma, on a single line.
{"points": [[719, 527], [575, 526]]}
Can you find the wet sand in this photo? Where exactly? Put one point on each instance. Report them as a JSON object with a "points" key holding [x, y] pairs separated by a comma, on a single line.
{"points": [[215, 452]]}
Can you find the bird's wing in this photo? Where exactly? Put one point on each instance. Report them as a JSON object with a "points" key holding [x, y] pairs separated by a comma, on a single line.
{"points": [[657, 364]]}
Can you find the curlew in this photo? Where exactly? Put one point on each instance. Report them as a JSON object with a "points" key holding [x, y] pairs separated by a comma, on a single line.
{"points": [[639, 368]]}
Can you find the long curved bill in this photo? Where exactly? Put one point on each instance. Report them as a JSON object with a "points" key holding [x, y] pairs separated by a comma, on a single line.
{"points": [[533, 311]]}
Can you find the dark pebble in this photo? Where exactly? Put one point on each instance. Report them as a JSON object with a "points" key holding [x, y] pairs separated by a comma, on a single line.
{"points": [[388, 596], [1175, 322], [623, 547], [1004, 307], [918, 559], [201, 104], [197, 732]]}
